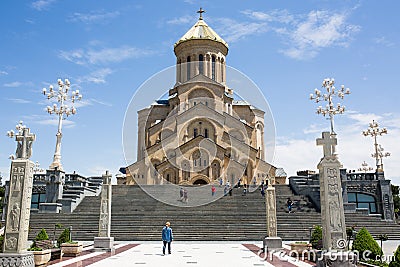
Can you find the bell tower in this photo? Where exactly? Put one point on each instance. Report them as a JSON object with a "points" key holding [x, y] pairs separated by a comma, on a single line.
{"points": [[200, 51]]}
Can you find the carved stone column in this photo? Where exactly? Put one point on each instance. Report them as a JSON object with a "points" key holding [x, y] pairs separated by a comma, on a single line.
{"points": [[19, 205], [272, 241], [332, 211], [104, 241]]}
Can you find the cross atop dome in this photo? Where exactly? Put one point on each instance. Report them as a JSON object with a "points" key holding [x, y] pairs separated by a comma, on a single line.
{"points": [[201, 11]]}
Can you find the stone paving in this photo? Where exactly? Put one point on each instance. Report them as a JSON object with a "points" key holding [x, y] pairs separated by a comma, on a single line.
{"points": [[183, 254], [199, 254]]}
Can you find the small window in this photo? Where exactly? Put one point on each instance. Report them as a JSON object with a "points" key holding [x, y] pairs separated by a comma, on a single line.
{"points": [[195, 132], [206, 133], [194, 103], [205, 162], [188, 67], [201, 68]]}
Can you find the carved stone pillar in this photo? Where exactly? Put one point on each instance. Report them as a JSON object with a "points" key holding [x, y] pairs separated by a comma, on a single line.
{"points": [[272, 241], [332, 211], [104, 241]]}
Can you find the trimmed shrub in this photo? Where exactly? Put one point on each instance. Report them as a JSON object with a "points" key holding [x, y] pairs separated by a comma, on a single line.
{"points": [[396, 261], [64, 237], [316, 237], [363, 242], [42, 235]]}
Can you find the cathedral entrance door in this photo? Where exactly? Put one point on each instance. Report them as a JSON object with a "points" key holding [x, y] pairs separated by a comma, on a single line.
{"points": [[200, 182]]}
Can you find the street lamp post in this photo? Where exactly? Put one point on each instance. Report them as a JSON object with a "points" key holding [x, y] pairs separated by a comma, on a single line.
{"points": [[365, 167], [373, 131], [65, 98], [330, 109]]}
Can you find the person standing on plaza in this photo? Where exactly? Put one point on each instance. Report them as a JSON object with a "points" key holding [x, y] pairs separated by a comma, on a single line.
{"points": [[213, 190], [167, 237]]}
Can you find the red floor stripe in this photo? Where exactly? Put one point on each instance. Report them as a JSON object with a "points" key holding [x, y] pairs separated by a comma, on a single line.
{"points": [[94, 259]]}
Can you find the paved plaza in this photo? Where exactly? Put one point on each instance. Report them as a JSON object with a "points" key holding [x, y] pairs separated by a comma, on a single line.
{"points": [[188, 254]]}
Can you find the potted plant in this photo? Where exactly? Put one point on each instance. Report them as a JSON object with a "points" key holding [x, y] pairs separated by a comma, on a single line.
{"points": [[40, 248], [68, 247]]}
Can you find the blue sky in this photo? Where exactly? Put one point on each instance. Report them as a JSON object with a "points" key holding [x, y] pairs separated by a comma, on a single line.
{"points": [[107, 49]]}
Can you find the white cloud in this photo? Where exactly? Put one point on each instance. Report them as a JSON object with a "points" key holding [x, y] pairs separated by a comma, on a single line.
{"points": [[17, 84], [47, 120], [93, 17], [294, 154], [233, 31], [319, 30], [2, 72], [282, 16], [101, 102], [42, 4], [181, 20], [102, 56], [19, 100], [98, 76], [383, 41]]}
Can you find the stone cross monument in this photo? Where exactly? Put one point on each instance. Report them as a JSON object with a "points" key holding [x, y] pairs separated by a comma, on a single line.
{"points": [[272, 241], [332, 212], [19, 204], [104, 241]]}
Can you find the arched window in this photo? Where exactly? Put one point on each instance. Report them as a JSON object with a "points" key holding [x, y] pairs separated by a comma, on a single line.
{"points": [[201, 68], [195, 132], [188, 67], [206, 133], [363, 201], [213, 67]]}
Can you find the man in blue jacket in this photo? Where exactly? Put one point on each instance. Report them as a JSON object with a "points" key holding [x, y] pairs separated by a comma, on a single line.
{"points": [[167, 237]]}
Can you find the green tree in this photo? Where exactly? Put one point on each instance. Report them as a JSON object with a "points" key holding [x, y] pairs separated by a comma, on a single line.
{"points": [[42, 235], [64, 237], [365, 242], [396, 261], [316, 237]]}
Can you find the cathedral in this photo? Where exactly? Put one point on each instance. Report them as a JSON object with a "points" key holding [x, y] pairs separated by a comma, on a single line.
{"points": [[201, 134]]}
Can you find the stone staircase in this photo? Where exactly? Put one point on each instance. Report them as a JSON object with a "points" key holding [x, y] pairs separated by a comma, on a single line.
{"points": [[137, 216]]}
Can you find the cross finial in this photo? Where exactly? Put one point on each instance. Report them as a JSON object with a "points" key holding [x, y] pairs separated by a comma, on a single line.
{"points": [[201, 11], [24, 141], [327, 141]]}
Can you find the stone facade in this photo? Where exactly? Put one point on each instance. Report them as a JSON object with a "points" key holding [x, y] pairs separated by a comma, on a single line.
{"points": [[201, 134]]}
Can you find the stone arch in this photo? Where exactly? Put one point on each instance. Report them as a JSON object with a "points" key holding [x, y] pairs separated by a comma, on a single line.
{"points": [[203, 127], [201, 95], [198, 177]]}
